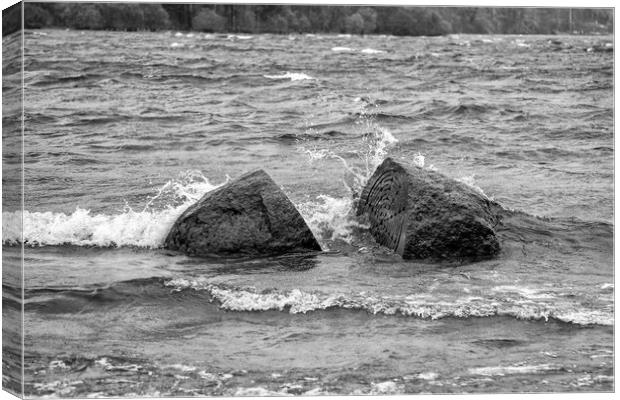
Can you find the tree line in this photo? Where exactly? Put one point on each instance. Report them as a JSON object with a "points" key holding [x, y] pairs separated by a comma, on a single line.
{"points": [[400, 21]]}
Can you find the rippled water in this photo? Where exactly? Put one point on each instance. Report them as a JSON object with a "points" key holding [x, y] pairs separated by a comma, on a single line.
{"points": [[123, 131]]}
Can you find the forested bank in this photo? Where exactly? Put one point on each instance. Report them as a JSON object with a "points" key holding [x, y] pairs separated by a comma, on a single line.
{"points": [[401, 21]]}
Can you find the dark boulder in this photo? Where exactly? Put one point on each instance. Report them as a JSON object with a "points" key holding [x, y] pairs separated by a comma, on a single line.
{"points": [[248, 216], [422, 214]]}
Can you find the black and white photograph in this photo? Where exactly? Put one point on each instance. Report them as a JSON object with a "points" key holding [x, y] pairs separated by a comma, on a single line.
{"points": [[259, 199]]}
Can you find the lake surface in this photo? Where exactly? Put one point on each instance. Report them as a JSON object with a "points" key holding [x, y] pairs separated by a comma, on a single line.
{"points": [[123, 131]]}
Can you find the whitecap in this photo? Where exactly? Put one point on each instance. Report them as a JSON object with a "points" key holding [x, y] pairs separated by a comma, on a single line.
{"points": [[258, 391], [240, 37], [293, 76], [372, 51], [421, 305], [428, 376], [512, 370], [183, 368], [342, 49], [175, 44], [146, 228]]}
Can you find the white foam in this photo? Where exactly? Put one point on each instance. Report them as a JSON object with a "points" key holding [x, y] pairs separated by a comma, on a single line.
{"points": [[342, 49], [524, 291], [207, 376], [418, 160], [146, 228], [176, 44], [387, 387], [293, 76], [316, 392], [428, 376], [512, 370], [330, 218], [421, 305], [240, 37], [183, 368], [372, 51], [54, 364], [258, 391], [108, 366]]}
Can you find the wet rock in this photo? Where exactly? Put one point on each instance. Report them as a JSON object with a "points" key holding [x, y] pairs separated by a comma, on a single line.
{"points": [[422, 214], [248, 216]]}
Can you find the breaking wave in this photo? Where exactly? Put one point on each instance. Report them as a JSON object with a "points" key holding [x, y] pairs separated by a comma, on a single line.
{"points": [[423, 305], [329, 218], [293, 76], [144, 228]]}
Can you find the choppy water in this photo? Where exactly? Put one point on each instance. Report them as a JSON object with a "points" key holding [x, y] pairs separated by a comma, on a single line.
{"points": [[123, 131]]}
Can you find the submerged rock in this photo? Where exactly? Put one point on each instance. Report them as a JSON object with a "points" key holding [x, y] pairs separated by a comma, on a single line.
{"points": [[248, 216], [422, 214]]}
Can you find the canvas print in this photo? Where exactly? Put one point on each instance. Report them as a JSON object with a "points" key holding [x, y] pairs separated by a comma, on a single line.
{"points": [[215, 199]]}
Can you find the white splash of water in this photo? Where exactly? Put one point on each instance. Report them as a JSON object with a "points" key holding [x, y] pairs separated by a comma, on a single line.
{"points": [[372, 51], [418, 160], [330, 218], [471, 182], [342, 49], [240, 37], [146, 228], [293, 76]]}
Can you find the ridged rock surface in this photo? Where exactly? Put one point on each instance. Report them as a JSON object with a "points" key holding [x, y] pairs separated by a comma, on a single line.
{"points": [[248, 216], [422, 214]]}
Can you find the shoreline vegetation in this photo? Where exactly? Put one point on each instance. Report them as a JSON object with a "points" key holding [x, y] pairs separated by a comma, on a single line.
{"points": [[288, 19]]}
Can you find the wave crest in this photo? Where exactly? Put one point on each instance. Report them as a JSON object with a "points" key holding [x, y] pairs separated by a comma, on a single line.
{"points": [[425, 305], [145, 228]]}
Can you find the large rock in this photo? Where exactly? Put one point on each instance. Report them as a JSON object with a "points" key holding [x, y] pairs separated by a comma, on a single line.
{"points": [[422, 214], [248, 216]]}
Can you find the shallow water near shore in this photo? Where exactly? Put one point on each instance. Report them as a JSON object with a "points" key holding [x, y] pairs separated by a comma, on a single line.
{"points": [[123, 131]]}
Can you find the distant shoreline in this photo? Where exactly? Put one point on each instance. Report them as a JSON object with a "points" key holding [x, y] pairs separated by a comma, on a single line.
{"points": [[301, 19]]}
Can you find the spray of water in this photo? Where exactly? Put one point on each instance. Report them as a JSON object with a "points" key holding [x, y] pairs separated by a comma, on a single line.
{"points": [[332, 218], [145, 228]]}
